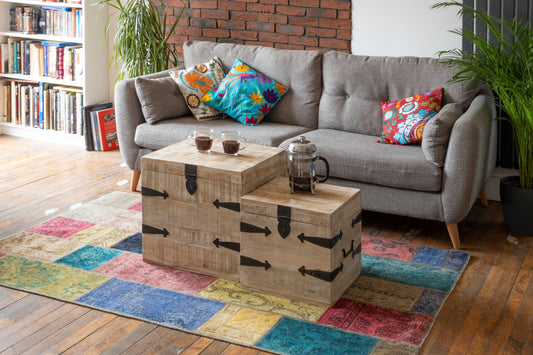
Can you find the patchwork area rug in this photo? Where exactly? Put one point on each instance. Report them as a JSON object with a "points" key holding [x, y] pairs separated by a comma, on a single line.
{"points": [[92, 256]]}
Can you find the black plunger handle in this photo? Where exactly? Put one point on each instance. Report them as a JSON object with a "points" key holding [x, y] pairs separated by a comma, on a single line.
{"points": [[323, 179]]}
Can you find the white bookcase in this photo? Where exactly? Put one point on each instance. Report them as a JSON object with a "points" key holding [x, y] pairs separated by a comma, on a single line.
{"points": [[95, 82]]}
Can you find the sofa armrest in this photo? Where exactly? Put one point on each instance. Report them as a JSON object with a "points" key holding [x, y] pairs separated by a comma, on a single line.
{"points": [[129, 115], [470, 158]]}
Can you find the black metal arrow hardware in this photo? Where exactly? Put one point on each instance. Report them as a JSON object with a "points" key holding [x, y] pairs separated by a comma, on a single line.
{"points": [[346, 253], [153, 230], [146, 191], [322, 242], [323, 275], [234, 206], [357, 219], [284, 221], [246, 261], [228, 245], [190, 178], [250, 228]]}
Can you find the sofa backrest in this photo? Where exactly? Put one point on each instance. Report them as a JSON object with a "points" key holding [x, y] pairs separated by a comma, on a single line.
{"points": [[355, 86], [301, 71]]}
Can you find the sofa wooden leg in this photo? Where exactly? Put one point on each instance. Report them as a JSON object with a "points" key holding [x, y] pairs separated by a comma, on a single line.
{"points": [[483, 197], [453, 231], [135, 176]]}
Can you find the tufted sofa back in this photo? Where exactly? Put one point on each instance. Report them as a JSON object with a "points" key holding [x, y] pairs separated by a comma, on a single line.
{"points": [[301, 71], [355, 86]]}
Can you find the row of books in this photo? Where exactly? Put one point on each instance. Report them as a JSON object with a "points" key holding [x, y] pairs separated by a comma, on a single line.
{"points": [[43, 106], [47, 20], [39, 58]]}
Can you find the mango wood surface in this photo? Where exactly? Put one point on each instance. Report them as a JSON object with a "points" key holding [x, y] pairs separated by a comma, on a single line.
{"points": [[489, 311]]}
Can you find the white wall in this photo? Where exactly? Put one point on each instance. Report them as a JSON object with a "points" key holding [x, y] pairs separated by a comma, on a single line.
{"points": [[403, 27]]}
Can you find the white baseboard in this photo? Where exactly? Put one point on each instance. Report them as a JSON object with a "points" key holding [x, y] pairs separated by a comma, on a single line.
{"points": [[493, 186]]}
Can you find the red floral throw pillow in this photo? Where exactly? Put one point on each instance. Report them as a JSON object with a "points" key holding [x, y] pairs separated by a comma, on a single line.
{"points": [[404, 120]]}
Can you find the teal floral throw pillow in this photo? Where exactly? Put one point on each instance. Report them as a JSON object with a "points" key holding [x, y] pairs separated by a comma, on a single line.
{"points": [[245, 95]]}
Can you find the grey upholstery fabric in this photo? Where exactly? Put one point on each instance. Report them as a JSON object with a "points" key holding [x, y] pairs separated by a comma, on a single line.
{"points": [[160, 98], [410, 203], [437, 133], [168, 132], [355, 86], [301, 71], [359, 157]]}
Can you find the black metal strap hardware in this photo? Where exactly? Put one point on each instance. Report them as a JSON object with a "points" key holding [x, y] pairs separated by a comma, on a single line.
{"points": [[357, 219], [352, 251], [284, 221], [153, 230], [190, 178], [321, 242], [146, 191], [250, 228], [234, 206], [323, 275], [246, 261], [228, 245]]}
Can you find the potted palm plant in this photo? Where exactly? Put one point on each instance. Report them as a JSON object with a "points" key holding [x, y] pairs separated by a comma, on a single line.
{"points": [[141, 41], [505, 64]]}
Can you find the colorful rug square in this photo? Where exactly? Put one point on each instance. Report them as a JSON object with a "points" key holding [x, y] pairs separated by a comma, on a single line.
{"points": [[92, 256]]}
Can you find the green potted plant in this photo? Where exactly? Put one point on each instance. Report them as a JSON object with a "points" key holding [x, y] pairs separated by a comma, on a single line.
{"points": [[505, 64], [141, 41]]}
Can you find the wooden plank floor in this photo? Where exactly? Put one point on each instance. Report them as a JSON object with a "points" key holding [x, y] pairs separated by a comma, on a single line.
{"points": [[489, 312]]}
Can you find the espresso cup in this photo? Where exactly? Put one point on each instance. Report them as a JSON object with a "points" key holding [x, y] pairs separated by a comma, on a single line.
{"points": [[202, 139], [232, 142]]}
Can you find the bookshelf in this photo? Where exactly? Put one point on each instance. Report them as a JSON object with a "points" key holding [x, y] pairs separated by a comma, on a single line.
{"points": [[93, 84]]}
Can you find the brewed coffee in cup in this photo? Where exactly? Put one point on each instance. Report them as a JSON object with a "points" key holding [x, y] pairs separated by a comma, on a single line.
{"points": [[232, 142], [202, 139]]}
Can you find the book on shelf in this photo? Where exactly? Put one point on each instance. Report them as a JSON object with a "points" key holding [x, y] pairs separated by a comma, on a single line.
{"points": [[87, 123]]}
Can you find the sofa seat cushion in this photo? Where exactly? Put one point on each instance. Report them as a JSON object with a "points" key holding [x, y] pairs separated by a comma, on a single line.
{"points": [[359, 157], [164, 133]]}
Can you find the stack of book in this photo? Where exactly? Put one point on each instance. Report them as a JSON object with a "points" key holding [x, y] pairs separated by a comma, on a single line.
{"points": [[49, 20], [43, 106], [100, 127], [41, 58]]}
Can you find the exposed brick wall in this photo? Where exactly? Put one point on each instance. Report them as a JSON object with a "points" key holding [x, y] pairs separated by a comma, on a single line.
{"points": [[285, 24]]}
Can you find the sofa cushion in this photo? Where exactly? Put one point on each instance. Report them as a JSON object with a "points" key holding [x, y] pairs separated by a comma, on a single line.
{"points": [[437, 133], [194, 82], [359, 157], [160, 98], [404, 120], [355, 86], [171, 131], [245, 94], [299, 70]]}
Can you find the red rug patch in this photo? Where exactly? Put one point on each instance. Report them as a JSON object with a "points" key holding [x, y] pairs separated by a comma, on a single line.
{"points": [[61, 227], [377, 321], [131, 267], [136, 207], [385, 248]]}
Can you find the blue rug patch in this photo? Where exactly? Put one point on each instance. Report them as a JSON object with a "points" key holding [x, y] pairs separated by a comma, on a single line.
{"points": [[291, 336], [88, 257], [430, 256], [154, 304], [429, 302], [408, 273], [457, 260], [133, 244]]}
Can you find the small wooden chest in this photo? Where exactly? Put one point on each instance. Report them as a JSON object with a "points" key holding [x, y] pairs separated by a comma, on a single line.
{"points": [[191, 204], [301, 246]]}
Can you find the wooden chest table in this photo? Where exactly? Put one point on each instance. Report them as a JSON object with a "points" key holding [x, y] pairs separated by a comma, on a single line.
{"points": [[299, 245], [191, 204]]}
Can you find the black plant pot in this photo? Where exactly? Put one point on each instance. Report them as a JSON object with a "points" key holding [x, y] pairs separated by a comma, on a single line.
{"points": [[517, 205]]}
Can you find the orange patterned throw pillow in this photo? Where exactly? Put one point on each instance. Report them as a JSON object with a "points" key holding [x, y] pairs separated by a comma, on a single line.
{"points": [[404, 120], [195, 82]]}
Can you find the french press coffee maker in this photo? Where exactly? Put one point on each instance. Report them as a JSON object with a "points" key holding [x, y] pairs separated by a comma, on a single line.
{"points": [[301, 166]]}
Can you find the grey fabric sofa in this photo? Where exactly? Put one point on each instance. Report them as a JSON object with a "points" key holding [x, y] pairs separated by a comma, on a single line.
{"points": [[334, 100]]}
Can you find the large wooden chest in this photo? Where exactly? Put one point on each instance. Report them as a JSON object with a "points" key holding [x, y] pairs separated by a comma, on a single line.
{"points": [[301, 246], [191, 204]]}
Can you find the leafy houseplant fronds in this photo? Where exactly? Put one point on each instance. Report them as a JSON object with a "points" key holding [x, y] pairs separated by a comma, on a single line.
{"points": [[505, 64], [141, 40]]}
